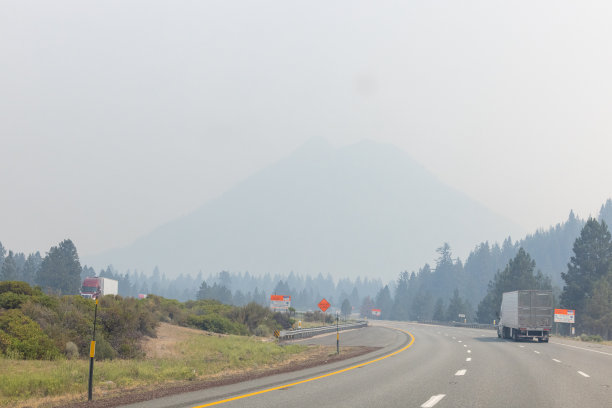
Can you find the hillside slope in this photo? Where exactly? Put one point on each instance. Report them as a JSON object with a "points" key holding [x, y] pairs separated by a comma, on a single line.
{"points": [[365, 209]]}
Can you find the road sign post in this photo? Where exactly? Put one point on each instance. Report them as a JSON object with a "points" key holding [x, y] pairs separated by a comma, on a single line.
{"points": [[323, 305]]}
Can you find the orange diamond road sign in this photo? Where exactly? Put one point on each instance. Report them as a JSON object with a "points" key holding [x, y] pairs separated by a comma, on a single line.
{"points": [[324, 305]]}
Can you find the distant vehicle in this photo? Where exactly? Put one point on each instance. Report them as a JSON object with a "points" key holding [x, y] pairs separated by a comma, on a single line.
{"points": [[526, 315], [93, 288]]}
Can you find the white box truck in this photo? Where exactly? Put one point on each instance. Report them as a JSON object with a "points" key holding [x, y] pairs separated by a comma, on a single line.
{"points": [[526, 315], [95, 287]]}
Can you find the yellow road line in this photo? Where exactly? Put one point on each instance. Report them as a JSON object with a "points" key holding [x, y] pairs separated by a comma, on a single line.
{"points": [[311, 379]]}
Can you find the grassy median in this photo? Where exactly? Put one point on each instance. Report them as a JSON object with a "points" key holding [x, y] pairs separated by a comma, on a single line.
{"points": [[196, 356]]}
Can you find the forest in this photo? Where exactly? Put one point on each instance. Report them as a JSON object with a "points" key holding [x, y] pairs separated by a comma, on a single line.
{"points": [[556, 258]]}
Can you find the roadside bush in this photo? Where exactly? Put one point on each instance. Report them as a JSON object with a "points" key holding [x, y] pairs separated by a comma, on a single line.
{"points": [[18, 287], [11, 300], [71, 350], [21, 337], [217, 324], [318, 316], [262, 331], [591, 337]]}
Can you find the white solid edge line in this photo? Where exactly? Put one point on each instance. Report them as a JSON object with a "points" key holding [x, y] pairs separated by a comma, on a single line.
{"points": [[557, 361], [582, 348], [583, 374], [433, 401], [462, 372]]}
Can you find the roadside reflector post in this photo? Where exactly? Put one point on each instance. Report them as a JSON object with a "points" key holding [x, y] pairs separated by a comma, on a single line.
{"points": [[337, 335], [92, 353]]}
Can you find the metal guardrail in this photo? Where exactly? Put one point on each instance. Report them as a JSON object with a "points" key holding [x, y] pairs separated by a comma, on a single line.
{"points": [[314, 331], [459, 324]]}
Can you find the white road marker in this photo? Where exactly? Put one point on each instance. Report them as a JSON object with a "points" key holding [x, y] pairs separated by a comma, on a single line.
{"points": [[583, 374], [433, 401], [462, 372], [557, 361], [468, 359], [536, 351]]}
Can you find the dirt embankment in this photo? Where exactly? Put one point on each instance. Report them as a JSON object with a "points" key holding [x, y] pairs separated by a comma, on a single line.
{"points": [[165, 346]]}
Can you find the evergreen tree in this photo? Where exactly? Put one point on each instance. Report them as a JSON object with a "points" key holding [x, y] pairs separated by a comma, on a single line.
{"points": [[346, 308], [518, 275], [2, 255], [402, 299], [60, 270], [438, 314], [597, 316], [31, 267], [8, 272], [456, 306], [384, 302], [592, 261]]}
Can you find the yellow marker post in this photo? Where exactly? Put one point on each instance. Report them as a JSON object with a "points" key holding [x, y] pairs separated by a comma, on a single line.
{"points": [[92, 353]]}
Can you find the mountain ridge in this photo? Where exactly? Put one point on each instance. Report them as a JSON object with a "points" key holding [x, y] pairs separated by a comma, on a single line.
{"points": [[354, 210]]}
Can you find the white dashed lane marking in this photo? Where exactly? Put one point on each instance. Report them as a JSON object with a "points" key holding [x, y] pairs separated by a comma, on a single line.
{"points": [[462, 372], [583, 374], [433, 401], [556, 361], [536, 351], [468, 359]]}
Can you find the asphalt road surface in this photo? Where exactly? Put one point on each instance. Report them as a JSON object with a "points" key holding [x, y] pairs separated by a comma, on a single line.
{"points": [[426, 366]]}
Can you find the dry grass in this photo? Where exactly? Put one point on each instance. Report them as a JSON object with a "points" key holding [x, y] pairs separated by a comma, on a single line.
{"points": [[177, 355]]}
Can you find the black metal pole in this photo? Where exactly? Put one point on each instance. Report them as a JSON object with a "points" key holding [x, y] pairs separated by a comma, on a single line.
{"points": [[337, 336], [92, 353]]}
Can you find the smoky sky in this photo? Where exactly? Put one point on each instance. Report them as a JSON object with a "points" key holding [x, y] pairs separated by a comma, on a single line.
{"points": [[117, 116]]}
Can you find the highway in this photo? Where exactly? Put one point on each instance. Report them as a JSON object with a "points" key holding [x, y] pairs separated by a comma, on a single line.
{"points": [[426, 366]]}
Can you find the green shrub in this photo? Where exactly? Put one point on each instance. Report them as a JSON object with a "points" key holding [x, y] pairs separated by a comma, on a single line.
{"points": [[71, 350], [21, 337], [591, 337], [11, 300], [217, 324], [18, 287]]}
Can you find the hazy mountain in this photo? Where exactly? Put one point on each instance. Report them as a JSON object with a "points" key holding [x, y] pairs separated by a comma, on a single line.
{"points": [[366, 209]]}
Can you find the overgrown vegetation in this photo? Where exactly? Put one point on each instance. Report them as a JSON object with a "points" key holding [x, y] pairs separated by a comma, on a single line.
{"points": [[34, 325], [199, 357]]}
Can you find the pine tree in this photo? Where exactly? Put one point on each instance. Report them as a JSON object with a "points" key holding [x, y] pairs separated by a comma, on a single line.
{"points": [[592, 260], [517, 275], [60, 270], [346, 308], [8, 272]]}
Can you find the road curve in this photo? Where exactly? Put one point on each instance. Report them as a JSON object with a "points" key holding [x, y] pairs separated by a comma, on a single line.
{"points": [[443, 367]]}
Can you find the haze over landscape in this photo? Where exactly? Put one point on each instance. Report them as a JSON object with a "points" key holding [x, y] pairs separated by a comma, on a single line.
{"points": [[116, 126]]}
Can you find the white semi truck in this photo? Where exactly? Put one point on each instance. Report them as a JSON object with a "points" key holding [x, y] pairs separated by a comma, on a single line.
{"points": [[526, 315], [95, 287]]}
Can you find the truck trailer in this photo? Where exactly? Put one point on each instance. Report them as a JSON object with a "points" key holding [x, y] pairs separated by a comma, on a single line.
{"points": [[526, 315], [94, 287]]}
